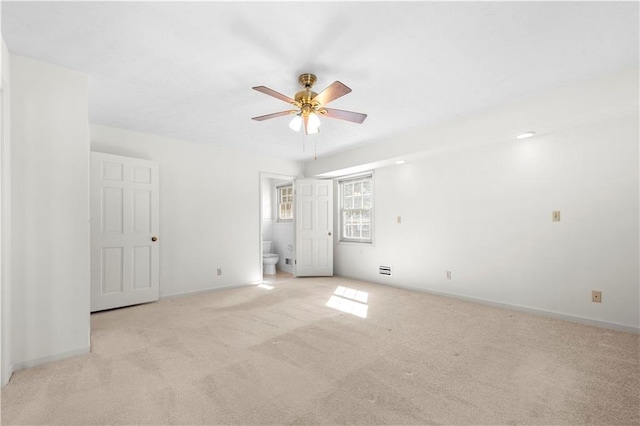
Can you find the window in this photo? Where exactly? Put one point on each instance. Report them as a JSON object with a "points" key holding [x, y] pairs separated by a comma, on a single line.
{"points": [[285, 203], [356, 209]]}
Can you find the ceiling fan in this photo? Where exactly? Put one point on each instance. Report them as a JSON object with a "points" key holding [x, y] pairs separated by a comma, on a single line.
{"points": [[310, 105]]}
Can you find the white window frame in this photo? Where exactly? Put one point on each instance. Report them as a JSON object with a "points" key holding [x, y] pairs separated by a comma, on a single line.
{"points": [[352, 179], [279, 196]]}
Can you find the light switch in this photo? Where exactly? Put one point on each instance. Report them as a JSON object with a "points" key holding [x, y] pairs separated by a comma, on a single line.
{"points": [[555, 216], [399, 219]]}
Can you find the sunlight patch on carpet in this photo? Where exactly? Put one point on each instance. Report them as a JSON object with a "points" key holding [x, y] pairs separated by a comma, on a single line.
{"points": [[350, 301]]}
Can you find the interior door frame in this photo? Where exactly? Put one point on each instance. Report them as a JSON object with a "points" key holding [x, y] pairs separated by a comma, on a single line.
{"points": [[269, 175]]}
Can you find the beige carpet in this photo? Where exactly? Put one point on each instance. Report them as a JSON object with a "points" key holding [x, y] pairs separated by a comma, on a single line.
{"points": [[281, 356]]}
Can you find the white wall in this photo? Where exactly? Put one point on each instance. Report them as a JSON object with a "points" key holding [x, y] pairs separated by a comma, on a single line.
{"points": [[50, 212], [483, 210], [209, 208], [485, 215], [6, 367]]}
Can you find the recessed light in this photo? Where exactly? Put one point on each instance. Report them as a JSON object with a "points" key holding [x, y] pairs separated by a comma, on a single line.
{"points": [[525, 135], [401, 161]]}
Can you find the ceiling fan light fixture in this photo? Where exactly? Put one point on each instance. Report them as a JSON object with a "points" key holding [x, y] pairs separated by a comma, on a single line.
{"points": [[313, 125], [296, 123]]}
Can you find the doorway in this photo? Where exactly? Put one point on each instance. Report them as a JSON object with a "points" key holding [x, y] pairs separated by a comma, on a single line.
{"points": [[277, 225], [303, 241]]}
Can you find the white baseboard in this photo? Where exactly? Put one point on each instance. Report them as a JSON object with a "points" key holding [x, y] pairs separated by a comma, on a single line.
{"points": [[21, 365], [208, 290], [526, 309]]}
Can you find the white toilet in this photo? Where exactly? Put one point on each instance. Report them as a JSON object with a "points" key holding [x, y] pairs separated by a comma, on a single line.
{"points": [[269, 259]]}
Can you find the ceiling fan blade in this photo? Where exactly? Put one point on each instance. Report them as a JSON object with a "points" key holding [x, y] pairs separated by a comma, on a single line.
{"points": [[354, 117], [275, 94], [331, 93], [274, 115]]}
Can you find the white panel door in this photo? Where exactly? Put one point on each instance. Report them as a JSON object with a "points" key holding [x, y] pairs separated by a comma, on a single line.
{"points": [[314, 227], [125, 258]]}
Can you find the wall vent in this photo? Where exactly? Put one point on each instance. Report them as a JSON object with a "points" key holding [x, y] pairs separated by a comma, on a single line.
{"points": [[384, 270], [288, 261]]}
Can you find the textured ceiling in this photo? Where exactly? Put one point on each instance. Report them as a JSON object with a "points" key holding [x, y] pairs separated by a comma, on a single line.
{"points": [[185, 70]]}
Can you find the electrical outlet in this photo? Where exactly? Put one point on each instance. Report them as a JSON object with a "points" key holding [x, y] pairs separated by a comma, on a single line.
{"points": [[555, 216], [448, 275], [596, 296], [219, 271], [399, 219]]}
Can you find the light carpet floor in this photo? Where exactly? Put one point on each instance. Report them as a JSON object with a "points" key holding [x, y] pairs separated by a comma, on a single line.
{"points": [[281, 356]]}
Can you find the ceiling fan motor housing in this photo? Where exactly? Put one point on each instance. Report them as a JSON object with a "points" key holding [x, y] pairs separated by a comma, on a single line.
{"points": [[304, 97]]}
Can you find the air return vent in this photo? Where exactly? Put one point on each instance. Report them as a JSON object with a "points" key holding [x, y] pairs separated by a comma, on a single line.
{"points": [[384, 270]]}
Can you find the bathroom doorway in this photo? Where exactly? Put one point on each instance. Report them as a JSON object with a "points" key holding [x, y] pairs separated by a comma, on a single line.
{"points": [[277, 223]]}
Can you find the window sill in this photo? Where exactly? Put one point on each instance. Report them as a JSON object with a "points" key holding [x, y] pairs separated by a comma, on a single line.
{"points": [[370, 243]]}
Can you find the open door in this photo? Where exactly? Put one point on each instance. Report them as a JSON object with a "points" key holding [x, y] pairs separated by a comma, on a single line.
{"points": [[314, 228], [125, 262]]}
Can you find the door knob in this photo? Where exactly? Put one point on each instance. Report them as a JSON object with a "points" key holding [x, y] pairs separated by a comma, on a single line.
{"points": [[154, 239], [329, 233]]}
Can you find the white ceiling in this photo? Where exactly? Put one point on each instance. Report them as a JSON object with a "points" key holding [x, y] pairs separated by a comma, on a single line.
{"points": [[185, 70]]}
